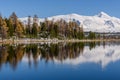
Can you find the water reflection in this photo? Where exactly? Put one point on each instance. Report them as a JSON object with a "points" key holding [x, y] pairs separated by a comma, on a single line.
{"points": [[60, 53]]}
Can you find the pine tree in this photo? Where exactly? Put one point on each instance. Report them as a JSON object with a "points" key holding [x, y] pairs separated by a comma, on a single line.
{"points": [[56, 30], [16, 26], [35, 30], [11, 28], [19, 30], [35, 27], [52, 32], [28, 28], [81, 33], [91, 35], [1, 21], [3, 28], [14, 20]]}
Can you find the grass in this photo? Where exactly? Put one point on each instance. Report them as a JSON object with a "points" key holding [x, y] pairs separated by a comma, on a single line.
{"points": [[10, 41]]}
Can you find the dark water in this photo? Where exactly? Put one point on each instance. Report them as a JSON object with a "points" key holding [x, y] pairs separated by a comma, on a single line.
{"points": [[61, 61]]}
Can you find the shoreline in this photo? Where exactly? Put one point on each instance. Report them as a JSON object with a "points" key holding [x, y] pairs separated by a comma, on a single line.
{"points": [[10, 41]]}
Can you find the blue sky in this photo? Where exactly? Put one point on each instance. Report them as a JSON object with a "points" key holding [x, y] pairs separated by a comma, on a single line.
{"points": [[45, 8]]}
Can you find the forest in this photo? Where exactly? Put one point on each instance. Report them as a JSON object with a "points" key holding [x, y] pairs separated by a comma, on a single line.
{"points": [[12, 27]]}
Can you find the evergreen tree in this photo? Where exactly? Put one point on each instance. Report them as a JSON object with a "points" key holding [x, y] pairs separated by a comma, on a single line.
{"points": [[28, 28], [34, 30], [56, 30], [91, 35], [1, 21], [14, 20], [10, 27], [19, 30], [16, 26], [35, 27], [4, 29], [81, 33], [43, 27]]}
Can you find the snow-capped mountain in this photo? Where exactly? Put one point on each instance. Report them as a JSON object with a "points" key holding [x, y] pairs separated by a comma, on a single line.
{"points": [[101, 22]]}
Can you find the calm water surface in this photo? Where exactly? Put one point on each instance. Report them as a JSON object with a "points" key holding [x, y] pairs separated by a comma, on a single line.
{"points": [[60, 61]]}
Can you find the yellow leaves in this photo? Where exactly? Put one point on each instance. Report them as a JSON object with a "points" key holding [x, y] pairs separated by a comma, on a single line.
{"points": [[5, 28], [1, 21], [19, 29]]}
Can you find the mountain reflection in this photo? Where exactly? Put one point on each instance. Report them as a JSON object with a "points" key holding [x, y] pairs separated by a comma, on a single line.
{"points": [[65, 53]]}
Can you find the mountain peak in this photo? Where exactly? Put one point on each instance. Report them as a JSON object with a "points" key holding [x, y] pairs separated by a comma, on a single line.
{"points": [[103, 15], [98, 23], [74, 14]]}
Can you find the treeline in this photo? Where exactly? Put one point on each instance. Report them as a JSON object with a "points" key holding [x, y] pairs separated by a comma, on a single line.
{"points": [[12, 28]]}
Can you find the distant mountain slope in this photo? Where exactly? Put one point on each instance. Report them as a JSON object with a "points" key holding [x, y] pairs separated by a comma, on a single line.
{"points": [[101, 22]]}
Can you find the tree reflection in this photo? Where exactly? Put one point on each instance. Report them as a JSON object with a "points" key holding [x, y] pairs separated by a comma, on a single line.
{"points": [[13, 54], [3, 55]]}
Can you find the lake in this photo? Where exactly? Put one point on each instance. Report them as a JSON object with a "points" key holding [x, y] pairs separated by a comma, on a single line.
{"points": [[60, 61]]}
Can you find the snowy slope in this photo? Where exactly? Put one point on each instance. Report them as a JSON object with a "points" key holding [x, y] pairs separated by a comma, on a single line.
{"points": [[101, 22]]}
